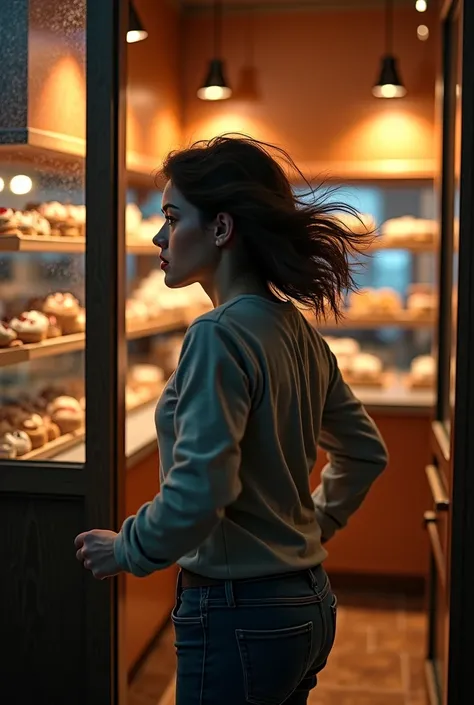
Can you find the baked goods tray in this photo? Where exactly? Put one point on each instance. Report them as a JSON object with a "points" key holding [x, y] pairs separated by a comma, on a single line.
{"points": [[69, 245], [169, 321]]}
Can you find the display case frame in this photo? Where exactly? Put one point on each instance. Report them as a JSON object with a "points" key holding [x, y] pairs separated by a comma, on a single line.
{"points": [[48, 598], [450, 479]]}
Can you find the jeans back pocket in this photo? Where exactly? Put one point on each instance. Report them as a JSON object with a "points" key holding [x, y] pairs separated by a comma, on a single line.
{"points": [[274, 661]]}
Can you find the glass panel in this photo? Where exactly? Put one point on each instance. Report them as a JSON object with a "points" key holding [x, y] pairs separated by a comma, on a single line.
{"points": [[42, 240], [156, 319], [393, 320]]}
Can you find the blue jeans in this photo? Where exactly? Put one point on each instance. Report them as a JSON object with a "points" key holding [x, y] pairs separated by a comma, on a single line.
{"points": [[256, 641]]}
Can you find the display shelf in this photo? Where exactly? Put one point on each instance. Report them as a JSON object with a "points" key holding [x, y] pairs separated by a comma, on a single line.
{"points": [[55, 151], [25, 243], [140, 436], [404, 319], [69, 442], [77, 245], [60, 445], [382, 243], [34, 351], [169, 321]]}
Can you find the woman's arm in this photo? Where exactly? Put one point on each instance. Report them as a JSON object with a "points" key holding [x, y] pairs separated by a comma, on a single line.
{"points": [[210, 419], [357, 455]]}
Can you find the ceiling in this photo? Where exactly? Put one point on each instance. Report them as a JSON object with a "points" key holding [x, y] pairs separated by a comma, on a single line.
{"points": [[288, 4]]}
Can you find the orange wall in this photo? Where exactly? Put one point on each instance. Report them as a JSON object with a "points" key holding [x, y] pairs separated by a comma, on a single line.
{"points": [[57, 86], [313, 73], [154, 101]]}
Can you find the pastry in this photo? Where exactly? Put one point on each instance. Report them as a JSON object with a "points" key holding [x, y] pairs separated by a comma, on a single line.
{"points": [[363, 303], [66, 412], [408, 229], [422, 303], [26, 223], [147, 375], [76, 324], [19, 440], [133, 219], [388, 302], [55, 213], [52, 429], [366, 369], [7, 335], [30, 327], [136, 311], [362, 223], [8, 222], [35, 428], [7, 450], [65, 307], [53, 331], [423, 371]]}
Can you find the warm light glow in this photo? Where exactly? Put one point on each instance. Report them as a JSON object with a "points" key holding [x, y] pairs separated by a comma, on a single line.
{"points": [[21, 184], [2, 184], [422, 32], [136, 35], [214, 93], [421, 5], [389, 90]]}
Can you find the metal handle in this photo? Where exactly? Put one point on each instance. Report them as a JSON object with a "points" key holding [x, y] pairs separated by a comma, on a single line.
{"points": [[440, 498], [436, 548]]}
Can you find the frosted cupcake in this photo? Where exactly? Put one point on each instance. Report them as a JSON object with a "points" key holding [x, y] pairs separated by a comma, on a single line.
{"points": [[30, 327]]}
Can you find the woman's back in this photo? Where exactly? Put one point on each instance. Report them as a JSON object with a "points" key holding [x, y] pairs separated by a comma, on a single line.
{"points": [[255, 392]]}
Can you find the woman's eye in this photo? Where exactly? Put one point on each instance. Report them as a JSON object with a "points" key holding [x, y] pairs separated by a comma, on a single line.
{"points": [[170, 220]]}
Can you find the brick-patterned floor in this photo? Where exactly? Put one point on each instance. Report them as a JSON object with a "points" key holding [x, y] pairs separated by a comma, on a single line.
{"points": [[377, 659]]}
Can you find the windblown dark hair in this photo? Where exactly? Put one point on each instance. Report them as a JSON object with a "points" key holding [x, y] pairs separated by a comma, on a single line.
{"points": [[298, 244]]}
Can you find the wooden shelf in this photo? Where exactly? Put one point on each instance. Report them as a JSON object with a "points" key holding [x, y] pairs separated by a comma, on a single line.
{"points": [[60, 445], [52, 151], [77, 245], [403, 320], [35, 351], [70, 343], [381, 243], [70, 245]]}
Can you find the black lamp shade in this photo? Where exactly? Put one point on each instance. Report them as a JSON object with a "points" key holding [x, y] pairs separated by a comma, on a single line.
{"points": [[389, 83], [136, 31], [215, 86]]}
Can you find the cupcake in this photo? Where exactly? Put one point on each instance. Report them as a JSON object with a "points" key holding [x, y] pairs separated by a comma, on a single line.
{"points": [[30, 327], [53, 331], [65, 308], [66, 413], [26, 223], [8, 222], [7, 335]]}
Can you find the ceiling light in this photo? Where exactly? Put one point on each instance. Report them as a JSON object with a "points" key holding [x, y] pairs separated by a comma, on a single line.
{"points": [[421, 5], [136, 31], [389, 83], [2, 184], [21, 184], [215, 86]]}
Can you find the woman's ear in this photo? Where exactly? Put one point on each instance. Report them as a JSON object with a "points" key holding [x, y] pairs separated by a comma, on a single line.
{"points": [[224, 229]]}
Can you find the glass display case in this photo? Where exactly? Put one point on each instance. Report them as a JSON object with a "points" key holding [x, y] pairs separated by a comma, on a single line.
{"points": [[384, 342]]}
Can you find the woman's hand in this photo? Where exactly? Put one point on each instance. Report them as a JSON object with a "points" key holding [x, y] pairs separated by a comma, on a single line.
{"points": [[95, 550]]}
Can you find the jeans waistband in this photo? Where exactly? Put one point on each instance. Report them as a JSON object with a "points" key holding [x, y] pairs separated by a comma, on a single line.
{"points": [[192, 580]]}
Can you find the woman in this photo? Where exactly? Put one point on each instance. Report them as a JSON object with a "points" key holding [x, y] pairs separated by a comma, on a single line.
{"points": [[256, 392]]}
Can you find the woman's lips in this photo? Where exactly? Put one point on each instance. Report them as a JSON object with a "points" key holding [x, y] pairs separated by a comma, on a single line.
{"points": [[164, 263]]}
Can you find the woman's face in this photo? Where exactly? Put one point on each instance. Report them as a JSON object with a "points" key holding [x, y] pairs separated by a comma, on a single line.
{"points": [[188, 249]]}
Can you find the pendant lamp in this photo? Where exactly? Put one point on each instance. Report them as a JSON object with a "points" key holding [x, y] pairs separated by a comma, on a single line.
{"points": [[389, 83], [215, 86], [136, 31]]}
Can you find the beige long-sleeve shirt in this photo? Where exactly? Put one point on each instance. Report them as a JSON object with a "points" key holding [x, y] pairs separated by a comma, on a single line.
{"points": [[256, 393]]}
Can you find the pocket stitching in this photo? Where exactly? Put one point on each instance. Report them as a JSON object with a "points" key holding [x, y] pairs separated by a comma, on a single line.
{"points": [[245, 661]]}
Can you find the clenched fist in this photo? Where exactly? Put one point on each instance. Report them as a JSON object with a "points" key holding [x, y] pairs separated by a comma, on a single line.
{"points": [[95, 550]]}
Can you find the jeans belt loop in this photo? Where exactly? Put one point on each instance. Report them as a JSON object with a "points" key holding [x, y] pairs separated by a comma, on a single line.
{"points": [[229, 593]]}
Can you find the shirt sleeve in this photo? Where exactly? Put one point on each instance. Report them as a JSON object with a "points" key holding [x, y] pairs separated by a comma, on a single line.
{"points": [[356, 452], [210, 419]]}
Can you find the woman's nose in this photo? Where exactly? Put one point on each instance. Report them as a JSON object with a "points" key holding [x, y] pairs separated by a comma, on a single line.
{"points": [[160, 239]]}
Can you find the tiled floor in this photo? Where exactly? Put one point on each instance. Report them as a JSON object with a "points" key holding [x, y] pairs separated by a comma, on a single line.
{"points": [[377, 658]]}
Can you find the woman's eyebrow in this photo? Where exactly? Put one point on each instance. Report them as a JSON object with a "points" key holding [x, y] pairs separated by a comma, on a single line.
{"points": [[169, 205]]}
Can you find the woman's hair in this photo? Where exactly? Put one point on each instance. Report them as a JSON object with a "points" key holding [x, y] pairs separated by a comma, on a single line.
{"points": [[298, 245]]}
